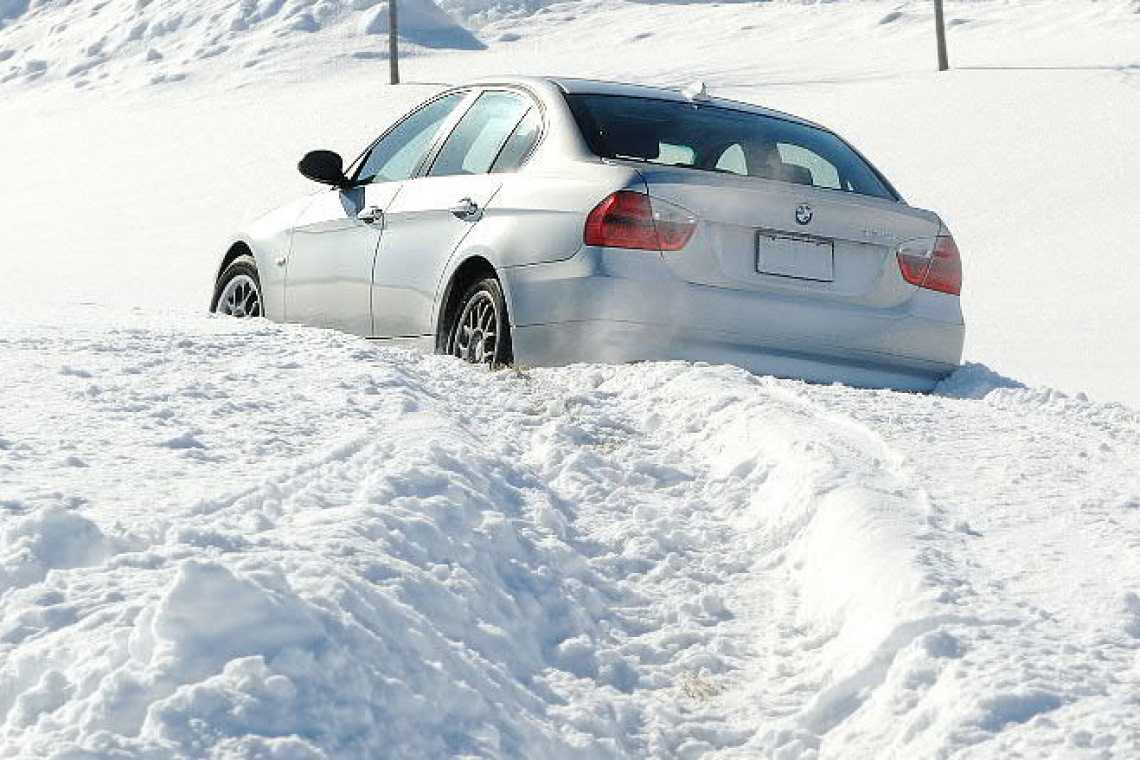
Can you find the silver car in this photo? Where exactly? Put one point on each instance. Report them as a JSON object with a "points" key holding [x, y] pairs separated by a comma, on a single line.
{"points": [[547, 221]]}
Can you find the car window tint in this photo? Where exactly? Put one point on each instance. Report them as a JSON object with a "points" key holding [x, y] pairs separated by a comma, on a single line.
{"points": [[722, 138], [472, 146], [399, 152], [520, 143]]}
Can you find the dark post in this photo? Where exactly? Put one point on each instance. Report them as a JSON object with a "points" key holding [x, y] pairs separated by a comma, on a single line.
{"points": [[393, 48], [943, 59]]}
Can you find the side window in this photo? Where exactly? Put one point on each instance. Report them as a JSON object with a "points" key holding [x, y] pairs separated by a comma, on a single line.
{"points": [[399, 152], [732, 160], [677, 155], [519, 144], [819, 171], [472, 146]]}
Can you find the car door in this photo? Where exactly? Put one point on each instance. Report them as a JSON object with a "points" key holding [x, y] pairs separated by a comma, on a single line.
{"points": [[329, 269], [433, 213]]}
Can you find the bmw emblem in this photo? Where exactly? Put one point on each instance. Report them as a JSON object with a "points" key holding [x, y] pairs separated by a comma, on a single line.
{"points": [[804, 213]]}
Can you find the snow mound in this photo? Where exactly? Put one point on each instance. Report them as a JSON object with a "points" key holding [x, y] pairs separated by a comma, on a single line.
{"points": [[169, 41], [44, 540], [975, 381], [423, 23]]}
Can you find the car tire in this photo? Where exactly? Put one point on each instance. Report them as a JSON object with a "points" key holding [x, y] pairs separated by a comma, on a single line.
{"points": [[481, 330], [238, 290]]}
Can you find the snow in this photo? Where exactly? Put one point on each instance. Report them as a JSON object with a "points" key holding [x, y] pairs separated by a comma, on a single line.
{"points": [[240, 540], [369, 548], [142, 42]]}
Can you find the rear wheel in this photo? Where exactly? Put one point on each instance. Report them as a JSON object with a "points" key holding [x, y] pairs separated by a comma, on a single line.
{"points": [[481, 331], [238, 291]]}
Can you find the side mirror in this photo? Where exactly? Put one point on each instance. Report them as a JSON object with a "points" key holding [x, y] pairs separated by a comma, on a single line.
{"points": [[324, 166]]}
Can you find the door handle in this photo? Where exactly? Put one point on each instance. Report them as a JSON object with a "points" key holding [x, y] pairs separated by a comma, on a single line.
{"points": [[465, 209], [371, 214]]}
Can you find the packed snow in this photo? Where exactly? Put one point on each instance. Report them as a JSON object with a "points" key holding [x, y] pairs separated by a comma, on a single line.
{"points": [[238, 539]]}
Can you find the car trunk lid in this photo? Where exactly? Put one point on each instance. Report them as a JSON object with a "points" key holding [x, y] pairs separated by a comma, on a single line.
{"points": [[767, 235]]}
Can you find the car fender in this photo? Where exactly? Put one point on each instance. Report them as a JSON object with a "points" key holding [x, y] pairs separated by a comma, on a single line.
{"points": [[269, 238], [472, 247]]}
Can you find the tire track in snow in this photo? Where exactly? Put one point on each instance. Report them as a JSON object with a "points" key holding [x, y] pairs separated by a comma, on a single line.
{"points": [[825, 496], [1033, 478], [662, 543], [773, 477]]}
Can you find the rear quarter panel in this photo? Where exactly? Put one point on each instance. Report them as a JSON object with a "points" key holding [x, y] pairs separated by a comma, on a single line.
{"points": [[538, 216]]}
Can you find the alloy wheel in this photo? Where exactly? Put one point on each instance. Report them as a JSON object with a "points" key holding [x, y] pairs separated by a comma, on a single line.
{"points": [[476, 336], [240, 297]]}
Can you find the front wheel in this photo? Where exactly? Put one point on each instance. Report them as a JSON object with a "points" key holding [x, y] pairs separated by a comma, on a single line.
{"points": [[238, 292], [481, 332]]}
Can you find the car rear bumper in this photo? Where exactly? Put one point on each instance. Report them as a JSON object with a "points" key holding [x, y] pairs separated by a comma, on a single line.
{"points": [[620, 306]]}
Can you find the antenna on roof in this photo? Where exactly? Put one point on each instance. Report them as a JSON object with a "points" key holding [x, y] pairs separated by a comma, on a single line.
{"points": [[696, 92]]}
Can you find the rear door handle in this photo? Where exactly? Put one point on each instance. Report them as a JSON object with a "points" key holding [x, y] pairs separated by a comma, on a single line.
{"points": [[465, 209], [371, 214]]}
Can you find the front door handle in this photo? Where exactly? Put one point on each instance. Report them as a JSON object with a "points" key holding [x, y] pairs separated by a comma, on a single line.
{"points": [[371, 214], [465, 209]]}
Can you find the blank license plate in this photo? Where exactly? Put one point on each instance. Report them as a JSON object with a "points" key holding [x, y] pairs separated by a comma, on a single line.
{"points": [[787, 255]]}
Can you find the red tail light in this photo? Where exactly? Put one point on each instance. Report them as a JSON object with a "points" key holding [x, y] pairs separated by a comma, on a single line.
{"points": [[932, 263], [632, 220]]}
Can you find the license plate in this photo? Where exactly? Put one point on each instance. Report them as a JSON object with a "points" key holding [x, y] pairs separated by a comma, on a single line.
{"points": [[800, 256]]}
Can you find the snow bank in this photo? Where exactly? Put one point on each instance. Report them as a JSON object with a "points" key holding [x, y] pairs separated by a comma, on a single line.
{"points": [[166, 42], [401, 596], [126, 43]]}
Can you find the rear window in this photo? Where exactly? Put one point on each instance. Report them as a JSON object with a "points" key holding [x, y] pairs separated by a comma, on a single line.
{"points": [[713, 138]]}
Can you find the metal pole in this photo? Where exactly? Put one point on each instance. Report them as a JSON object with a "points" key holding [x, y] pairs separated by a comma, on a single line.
{"points": [[393, 48], [943, 59]]}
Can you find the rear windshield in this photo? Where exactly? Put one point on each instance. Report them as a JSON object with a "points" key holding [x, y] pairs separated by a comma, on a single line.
{"points": [[719, 139]]}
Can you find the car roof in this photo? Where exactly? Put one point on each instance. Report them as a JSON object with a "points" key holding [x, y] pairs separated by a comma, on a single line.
{"points": [[576, 86]]}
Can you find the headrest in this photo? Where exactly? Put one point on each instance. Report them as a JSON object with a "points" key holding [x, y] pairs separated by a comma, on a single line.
{"points": [[799, 174]]}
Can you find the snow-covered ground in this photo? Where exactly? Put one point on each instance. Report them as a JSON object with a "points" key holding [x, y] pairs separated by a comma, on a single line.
{"points": [[246, 540], [250, 540]]}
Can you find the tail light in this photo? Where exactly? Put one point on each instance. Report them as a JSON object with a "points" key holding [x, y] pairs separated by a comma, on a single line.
{"points": [[627, 219], [932, 263]]}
